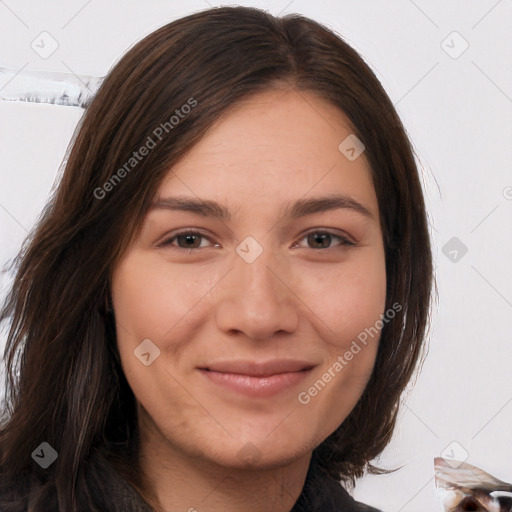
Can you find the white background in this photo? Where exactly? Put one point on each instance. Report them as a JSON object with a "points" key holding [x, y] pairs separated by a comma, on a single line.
{"points": [[457, 113]]}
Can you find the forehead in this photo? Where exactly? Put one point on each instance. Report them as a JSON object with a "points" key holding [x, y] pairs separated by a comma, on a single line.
{"points": [[274, 147]]}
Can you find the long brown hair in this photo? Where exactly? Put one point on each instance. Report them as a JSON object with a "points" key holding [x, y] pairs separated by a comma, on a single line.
{"points": [[65, 385]]}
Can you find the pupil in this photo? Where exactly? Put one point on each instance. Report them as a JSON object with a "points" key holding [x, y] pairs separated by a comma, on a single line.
{"points": [[189, 240], [319, 238]]}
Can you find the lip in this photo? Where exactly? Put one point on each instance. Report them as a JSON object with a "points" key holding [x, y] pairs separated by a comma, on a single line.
{"points": [[257, 379]]}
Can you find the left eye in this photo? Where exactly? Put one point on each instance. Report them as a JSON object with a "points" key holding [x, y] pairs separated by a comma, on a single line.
{"points": [[323, 239], [189, 240]]}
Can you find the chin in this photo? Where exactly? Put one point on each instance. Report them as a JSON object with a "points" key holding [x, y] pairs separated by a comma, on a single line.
{"points": [[251, 457], [261, 452]]}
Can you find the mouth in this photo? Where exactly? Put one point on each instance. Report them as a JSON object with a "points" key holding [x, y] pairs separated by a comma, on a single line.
{"points": [[258, 380]]}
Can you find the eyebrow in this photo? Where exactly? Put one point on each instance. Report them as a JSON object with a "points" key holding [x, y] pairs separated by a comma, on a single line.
{"points": [[299, 208]]}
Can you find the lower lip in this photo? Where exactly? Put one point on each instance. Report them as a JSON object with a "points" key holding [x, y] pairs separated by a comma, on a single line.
{"points": [[257, 387]]}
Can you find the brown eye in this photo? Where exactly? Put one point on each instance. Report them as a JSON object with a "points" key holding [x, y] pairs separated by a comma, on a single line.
{"points": [[326, 240], [320, 240], [189, 241], [186, 241]]}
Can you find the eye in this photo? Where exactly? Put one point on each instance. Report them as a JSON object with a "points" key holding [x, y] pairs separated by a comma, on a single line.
{"points": [[186, 241], [323, 240]]}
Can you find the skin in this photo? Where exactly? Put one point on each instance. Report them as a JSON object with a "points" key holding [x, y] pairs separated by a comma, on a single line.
{"points": [[296, 300]]}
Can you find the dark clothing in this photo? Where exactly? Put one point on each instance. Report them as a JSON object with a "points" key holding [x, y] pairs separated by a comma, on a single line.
{"points": [[324, 494]]}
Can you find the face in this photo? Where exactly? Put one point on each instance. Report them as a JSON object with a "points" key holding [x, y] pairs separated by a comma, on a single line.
{"points": [[240, 305]]}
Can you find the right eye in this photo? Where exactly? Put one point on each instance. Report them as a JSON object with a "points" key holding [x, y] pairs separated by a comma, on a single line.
{"points": [[187, 241]]}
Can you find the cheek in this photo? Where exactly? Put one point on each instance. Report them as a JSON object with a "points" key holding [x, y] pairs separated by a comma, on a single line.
{"points": [[350, 303], [348, 298], [150, 299], [147, 305]]}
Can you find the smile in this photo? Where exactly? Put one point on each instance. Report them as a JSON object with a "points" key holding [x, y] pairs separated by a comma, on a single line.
{"points": [[258, 383]]}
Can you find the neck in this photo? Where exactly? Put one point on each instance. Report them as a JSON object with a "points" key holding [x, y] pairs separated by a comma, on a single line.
{"points": [[179, 481]]}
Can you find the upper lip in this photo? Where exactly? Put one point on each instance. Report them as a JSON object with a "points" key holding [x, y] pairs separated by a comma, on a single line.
{"points": [[259, 369]]}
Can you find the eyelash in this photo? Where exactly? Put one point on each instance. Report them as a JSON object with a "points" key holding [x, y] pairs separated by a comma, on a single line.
{"points": [[168, 243]]}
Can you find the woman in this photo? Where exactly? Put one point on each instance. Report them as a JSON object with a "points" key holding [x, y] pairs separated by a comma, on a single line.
{"points": [[229, 289]]}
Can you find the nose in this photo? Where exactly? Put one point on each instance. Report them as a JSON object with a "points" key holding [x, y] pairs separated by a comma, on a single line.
{"points": [[258, 299]]}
